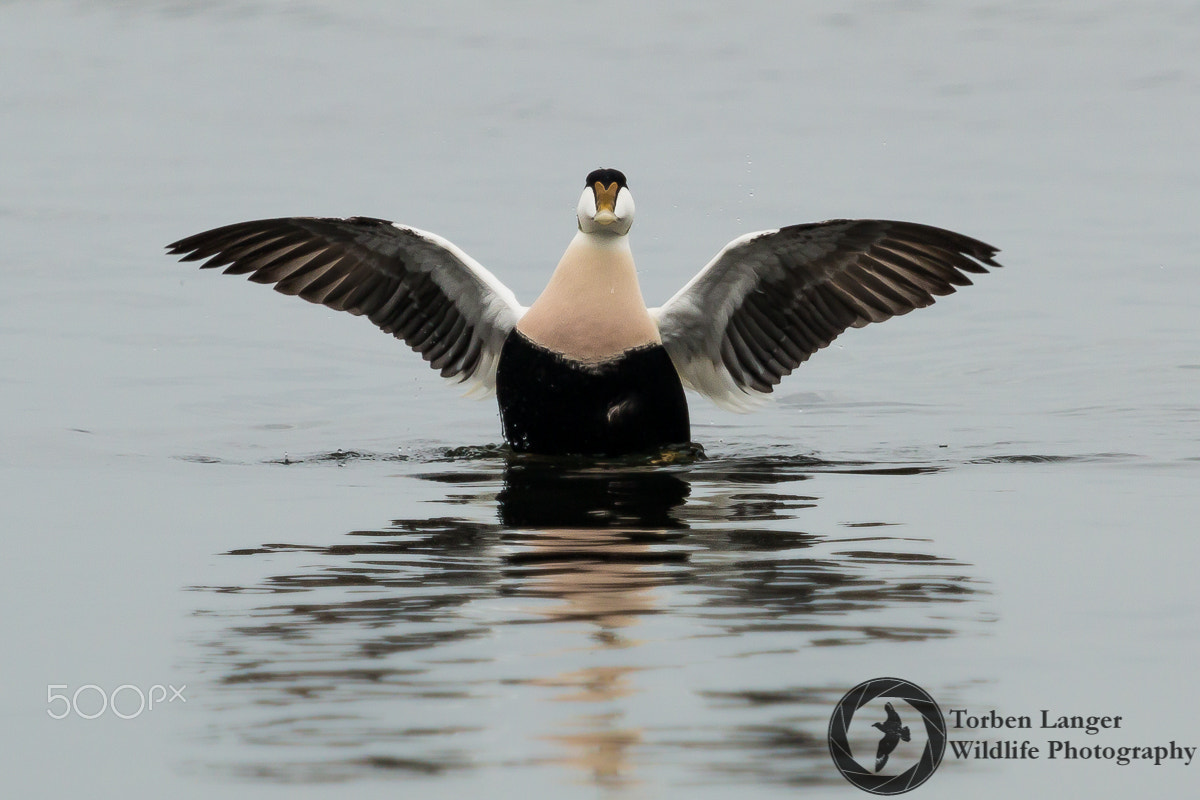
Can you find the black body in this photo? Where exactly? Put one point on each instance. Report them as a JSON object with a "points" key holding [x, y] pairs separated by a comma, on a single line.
{"points": [[555, 405]]}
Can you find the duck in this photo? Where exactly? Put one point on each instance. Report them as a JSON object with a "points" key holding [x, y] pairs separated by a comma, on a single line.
{"points": [[588, 368]]}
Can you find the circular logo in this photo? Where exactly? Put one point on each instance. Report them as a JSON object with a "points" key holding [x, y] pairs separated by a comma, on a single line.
{"points": [[888, 736]]}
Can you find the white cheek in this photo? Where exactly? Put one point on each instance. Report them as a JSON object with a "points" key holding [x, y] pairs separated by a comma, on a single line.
{"points": [[587, 205], [624, 205]]}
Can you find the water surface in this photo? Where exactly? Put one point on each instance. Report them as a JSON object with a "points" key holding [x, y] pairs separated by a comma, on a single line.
{"points": [[208, 484]]}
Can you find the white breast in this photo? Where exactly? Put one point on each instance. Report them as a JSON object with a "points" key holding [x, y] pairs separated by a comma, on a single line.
{"points": [[592, 308]]}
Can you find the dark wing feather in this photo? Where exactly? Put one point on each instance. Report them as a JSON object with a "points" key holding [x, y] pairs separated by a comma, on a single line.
{"points": [[411, 284], [769, 300]]}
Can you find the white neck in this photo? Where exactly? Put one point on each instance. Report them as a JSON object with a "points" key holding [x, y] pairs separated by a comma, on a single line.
{"points": [[592, 308]]}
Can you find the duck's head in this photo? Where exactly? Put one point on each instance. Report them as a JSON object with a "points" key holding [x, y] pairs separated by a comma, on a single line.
{"points": [[606, 206]]}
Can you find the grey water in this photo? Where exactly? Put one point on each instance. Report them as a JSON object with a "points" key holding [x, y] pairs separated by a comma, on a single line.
{"points": [[294, 523]]}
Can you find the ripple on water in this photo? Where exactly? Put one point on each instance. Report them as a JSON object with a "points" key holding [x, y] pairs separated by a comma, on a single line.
{"points": [[597, 586]]}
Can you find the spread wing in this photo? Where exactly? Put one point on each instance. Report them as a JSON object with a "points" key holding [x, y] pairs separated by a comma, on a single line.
{"points": [[414, 285], [893, 719], [769, 300]]}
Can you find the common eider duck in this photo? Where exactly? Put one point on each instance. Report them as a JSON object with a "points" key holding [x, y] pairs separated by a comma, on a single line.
{"points": [[589, 369]]}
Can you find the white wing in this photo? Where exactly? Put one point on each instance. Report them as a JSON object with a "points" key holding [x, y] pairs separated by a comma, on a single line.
{"points": [[769, 300], [414, 285]]}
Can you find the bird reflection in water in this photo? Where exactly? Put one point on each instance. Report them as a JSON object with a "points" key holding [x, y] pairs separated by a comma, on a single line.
{"points": [[595, 543], [573, 612]]}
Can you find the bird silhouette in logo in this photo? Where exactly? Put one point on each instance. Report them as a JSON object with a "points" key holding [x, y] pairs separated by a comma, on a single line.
{"points": [[893, 732]]}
